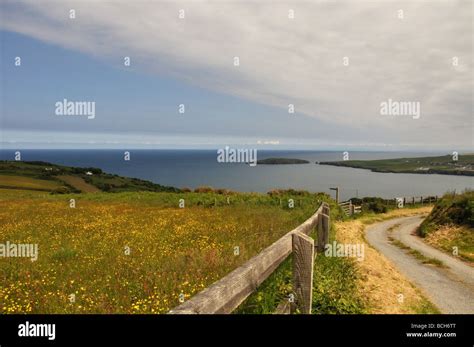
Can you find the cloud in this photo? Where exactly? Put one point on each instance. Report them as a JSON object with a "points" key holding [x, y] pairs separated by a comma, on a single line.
{"points": [[285, 61]]}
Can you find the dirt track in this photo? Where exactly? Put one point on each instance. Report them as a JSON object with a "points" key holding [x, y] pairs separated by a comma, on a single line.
{"points": [[450, 288]]}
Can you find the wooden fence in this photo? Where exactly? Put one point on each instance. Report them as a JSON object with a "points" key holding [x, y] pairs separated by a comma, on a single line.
{"points": [[412, 200], [349, 209], [228, 293]]}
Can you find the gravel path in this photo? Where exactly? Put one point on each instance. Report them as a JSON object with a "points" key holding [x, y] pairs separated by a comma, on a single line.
{"points": [[451, 289]]}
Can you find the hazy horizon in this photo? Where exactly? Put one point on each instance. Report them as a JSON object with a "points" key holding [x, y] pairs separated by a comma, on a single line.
{"points": [[263, 149]]}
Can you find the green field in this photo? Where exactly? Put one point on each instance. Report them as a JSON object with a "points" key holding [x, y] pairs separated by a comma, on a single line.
{"points": [[64, 179], [78, 183], [173, 251], [22, 182], [425, 165], [178, 242]]}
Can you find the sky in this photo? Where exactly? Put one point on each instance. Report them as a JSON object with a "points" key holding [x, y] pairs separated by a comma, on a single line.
{"points": [[335, 61]]}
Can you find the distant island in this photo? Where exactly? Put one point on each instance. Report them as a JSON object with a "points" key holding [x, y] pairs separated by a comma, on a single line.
{"points": [[444, 165], [278, 161]]}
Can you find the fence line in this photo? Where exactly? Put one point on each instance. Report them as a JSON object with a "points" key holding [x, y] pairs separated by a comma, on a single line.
{"points": [[228, 293], [412, 200], [349, 208]]}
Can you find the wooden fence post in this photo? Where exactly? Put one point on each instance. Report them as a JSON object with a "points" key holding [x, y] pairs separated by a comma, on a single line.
{"points": [[325, 219], [303, 264], [320, 233], [325, 209]]}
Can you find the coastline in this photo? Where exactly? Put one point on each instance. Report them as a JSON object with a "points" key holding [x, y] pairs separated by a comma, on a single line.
{"points": [[427, 172]]}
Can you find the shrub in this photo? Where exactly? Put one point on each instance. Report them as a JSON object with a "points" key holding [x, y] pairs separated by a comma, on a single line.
{"points": [[204, 189], [450, 210], [61, 190]]}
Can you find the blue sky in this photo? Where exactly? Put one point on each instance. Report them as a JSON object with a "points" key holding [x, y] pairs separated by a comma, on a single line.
{"points": [[129, 103], [190, 62]]}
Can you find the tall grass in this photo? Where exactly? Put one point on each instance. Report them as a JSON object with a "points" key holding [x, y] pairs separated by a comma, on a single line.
{"points": [[334, 284], [173, 252]]}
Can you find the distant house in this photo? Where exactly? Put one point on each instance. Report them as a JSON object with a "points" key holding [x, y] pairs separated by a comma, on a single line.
{"points": [[48, 168], [422, 169], [88, 173]]}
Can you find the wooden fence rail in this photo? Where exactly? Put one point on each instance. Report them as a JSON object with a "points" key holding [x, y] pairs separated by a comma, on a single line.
{"points": [[349, 209], [228, 293], [412, 200]]}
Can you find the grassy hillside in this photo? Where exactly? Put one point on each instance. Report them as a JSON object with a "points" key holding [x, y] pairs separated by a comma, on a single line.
{"points": [[178, 242], [281, 161], [22, 182], [64, 179], [424, 165], [451, 224], [78, 183], [173, 251]]}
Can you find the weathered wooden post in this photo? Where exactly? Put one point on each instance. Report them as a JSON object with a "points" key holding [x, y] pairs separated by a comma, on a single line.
{"points": [[323, 228], [325, 218], [320, 233], [325, 209], [413, 201], [303, 264], [337, 193]]}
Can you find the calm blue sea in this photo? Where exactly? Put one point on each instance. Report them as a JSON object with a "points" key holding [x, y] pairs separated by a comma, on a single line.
{"points": [[193, 168]]}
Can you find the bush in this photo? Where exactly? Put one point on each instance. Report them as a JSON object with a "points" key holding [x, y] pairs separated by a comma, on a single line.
{"points": [[223, 191], [376, 207], [372, 204], [279, 192], [61, 190], [204, 189], [450, 210]]}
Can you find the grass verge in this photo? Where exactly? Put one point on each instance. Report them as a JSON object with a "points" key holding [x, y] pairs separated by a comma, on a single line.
{"points": [[381, 286], [334, 285]]}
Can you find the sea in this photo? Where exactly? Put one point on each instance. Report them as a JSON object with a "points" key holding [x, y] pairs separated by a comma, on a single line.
{"points": [[194, 168]]}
